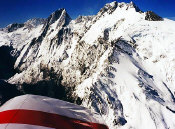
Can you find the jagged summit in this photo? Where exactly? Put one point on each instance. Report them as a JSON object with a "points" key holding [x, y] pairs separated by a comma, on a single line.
{"points": [[56, 15], [34, 22], [116, 4], [133, 5], [111, 5], [31, 23], [13, 27], [109, 8]]}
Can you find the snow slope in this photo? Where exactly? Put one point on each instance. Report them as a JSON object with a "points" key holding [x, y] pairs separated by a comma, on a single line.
{"points": [[118, 63]]}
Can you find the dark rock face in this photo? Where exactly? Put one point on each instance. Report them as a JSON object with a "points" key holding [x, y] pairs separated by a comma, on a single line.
{"points": [[7, 91], [151, 16], [50, 88], [13, 27], [120, 121], [7, 62], [56, 15]]}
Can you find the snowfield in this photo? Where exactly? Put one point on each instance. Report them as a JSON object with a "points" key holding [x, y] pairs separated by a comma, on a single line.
{"points": [[118, 62]]}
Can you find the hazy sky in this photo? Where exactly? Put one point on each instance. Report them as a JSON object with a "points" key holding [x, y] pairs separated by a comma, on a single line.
{"points": [[21, 10]]}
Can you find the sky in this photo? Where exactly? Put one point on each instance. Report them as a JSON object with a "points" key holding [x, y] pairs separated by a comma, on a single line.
{"points": [[19, 11]]}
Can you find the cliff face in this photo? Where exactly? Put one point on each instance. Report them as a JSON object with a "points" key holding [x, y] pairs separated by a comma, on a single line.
{"points": [[119, 63]]}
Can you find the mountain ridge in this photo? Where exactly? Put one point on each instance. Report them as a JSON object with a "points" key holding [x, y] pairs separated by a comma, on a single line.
{"points": [[114, 63]]}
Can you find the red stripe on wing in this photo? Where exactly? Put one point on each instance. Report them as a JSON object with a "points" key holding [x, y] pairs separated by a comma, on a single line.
{"points": [[45, 119]]}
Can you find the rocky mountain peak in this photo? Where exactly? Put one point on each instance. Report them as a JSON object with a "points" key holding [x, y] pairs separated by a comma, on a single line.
{"points": [[56, 15], [112, 4], [151, 16], [133, 5], [60, 18], [34, 22], [129, 5], [29, 24], [12, 27], [110, 7]]}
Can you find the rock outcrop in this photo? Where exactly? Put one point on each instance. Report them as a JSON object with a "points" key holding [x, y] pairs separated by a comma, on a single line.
{"points": [[151, 16]]}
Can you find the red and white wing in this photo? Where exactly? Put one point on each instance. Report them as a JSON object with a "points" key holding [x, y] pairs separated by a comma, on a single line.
{"points": [[39, 112]]}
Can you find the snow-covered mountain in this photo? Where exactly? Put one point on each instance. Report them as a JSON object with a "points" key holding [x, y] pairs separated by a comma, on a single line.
{"points": [[120, 63]]}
